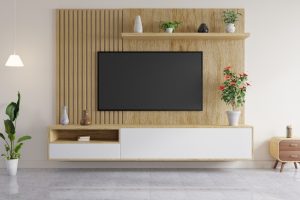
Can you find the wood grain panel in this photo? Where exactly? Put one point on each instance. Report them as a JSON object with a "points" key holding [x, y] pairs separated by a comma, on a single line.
{"points": [[82, 32]]}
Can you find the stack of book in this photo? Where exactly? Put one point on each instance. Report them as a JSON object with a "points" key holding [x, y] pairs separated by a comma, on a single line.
{"points": [[84, 138]]}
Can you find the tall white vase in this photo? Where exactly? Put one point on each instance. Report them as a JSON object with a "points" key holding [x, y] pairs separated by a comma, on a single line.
{"points": [[138, 26], [230, 28], [12, 166], [233, 117], [64, 120]]}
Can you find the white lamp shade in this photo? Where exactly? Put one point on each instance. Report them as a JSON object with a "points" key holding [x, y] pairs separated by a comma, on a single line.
{"points": [[14, 61]]}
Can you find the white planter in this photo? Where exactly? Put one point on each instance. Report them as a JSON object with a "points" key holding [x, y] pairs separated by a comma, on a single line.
{"points": [[230, 28], [12, 166], [233, 117], [138, 26], [169, 30], [64, 116]]}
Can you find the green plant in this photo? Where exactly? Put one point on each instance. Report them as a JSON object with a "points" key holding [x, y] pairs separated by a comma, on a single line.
{"points": [[170, 24], [231, 16], [12, 147], [234, 88]]}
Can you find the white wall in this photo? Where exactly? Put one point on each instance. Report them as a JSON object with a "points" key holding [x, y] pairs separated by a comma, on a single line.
{"points": [[272, 61]]}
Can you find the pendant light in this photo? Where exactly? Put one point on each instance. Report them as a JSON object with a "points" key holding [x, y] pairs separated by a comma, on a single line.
{"points": [[14, 60]]}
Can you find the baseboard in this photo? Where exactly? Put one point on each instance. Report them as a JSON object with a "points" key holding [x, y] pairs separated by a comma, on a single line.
{"points": [[54, 164]]}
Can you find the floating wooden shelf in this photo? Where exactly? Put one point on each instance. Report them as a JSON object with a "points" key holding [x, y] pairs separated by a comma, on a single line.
{"points": [[200, 36]]}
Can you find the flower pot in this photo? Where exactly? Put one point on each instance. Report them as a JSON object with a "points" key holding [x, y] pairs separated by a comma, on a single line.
{"points": [[12, 166], [230, 28], [169, 30], [233, 117], [138, 26]]}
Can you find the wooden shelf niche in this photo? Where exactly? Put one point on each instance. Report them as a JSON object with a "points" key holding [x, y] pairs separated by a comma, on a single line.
{"points": [[200, 36], [69, 136]]}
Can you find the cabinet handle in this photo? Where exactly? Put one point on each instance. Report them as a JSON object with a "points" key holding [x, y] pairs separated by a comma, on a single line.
{"points": [[293, 145], [294, 156]]}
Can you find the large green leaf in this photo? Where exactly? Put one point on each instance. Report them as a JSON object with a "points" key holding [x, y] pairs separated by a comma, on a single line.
{"points": [[23, 138], [18, 147], [12, 137], [11, 110], [9, 127], [18, 106]]}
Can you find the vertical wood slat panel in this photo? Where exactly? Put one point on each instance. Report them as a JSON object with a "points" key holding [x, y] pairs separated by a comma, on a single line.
{"points": [[61, 60], [84, 62], [57, 67], [120, 48], [93, 67], [75, 60], [71, 66], [98, 46], [88, 62], [80, 64], [66, 58], [103, 38], [111, 48], [106, 48]]}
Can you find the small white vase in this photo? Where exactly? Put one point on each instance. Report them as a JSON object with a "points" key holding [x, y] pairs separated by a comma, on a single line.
{"points": [[169, 30], [12, 166], [230, 28], [64, 120], [138, 26], [233, 117]]}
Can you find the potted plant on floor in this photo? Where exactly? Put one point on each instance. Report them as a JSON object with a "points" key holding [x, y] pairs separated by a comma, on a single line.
{"points": [[233, 93], [230, 17], [11, 143], [170, 26]]}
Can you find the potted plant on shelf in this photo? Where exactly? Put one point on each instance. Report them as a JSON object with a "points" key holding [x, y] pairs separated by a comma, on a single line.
{"points": [[230, 17], [170, 26], [11, 143], [233, 93]]}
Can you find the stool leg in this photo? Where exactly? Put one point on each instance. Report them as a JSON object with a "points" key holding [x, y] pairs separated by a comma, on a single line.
{"points": [[282, 166], [275, 165], [295, 164]]}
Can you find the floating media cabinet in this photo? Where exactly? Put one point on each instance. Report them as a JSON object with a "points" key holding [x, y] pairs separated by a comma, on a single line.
{"points": [[150, 143]]}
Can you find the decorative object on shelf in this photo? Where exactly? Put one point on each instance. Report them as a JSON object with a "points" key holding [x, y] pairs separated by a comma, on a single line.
{"points": [[12, 147], [203, 28], [233, 93], [230, 17], [170, 26], [138, 26], [84, 138], [14, 60], [85, 119], [289, 133], [64, 116]]}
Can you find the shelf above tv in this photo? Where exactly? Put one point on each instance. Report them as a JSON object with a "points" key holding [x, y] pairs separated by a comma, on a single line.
{"points": [[200, 36]]}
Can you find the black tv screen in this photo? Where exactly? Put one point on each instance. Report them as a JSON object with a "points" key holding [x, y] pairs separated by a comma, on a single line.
{"points": [[150, 81]]}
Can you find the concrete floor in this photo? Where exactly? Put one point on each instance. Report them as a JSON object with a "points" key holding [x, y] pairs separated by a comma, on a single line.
{"points": [[151, 184]]}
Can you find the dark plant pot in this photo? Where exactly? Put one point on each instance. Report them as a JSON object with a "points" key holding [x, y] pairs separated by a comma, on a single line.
{"points": [[203, 28]]}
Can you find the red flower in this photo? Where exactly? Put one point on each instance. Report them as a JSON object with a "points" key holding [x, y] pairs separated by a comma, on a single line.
{"points": [[227, 77], [227, 68], [222, 87], [232, 83]]}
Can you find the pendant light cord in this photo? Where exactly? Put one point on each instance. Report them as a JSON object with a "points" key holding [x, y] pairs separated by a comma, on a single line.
{"points": [[15, 26]]}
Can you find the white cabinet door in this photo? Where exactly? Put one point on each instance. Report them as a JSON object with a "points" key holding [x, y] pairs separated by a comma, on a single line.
{"points": [[186, 143]]}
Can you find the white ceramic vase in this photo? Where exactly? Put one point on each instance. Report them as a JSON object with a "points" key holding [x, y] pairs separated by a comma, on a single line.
{"points": [[138, 26], [12, 166], [169, 30], [233, 117], [230, 28], [64, 120]]}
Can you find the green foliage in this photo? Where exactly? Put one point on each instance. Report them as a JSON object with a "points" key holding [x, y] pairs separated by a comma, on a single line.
{"points": [[170, 24], [234, 88], [231, 16], [12, 148]]}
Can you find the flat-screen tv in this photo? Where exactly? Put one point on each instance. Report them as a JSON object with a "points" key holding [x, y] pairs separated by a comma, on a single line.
{"points": [[150, 81]]}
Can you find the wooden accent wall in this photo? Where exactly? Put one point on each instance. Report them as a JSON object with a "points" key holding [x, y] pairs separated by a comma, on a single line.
{"points": [[81, 33]]}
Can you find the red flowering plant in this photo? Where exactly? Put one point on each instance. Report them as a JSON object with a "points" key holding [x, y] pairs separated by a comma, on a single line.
{"points": [[234, 88]]}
